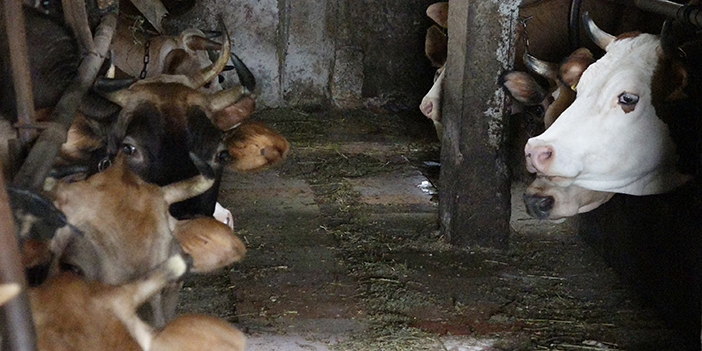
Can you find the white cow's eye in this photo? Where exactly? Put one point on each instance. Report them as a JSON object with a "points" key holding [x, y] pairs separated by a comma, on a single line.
{"points": [[628, 99]]}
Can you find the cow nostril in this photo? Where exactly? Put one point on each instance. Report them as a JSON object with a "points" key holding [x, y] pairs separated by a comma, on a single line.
{"points": [[538, 206], [544, 154], [546, 203]]}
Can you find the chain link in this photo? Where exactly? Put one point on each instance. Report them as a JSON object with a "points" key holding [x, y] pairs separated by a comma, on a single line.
{"points": [[525, 35], [142, 75]]}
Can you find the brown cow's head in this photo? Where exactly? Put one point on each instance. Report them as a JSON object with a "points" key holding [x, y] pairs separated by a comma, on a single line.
{"points": [[163, 119], [124, 225]]}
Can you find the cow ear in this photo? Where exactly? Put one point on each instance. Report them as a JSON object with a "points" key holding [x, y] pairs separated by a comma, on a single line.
{"points": [[253, 146], [679, 81], [439, 13], [572, 69], [436, 46], [174, 60], [228, 108], [523, 87]]}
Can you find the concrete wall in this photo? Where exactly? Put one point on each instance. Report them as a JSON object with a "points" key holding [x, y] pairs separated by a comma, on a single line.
{"points": [[321, 53]]}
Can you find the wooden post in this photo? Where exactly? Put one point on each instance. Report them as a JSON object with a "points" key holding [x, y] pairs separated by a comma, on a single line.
{"points": [[16, 326], [474, 201]]}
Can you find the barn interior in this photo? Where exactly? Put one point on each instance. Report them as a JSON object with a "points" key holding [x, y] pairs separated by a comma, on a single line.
{"points": [[354, 241]]}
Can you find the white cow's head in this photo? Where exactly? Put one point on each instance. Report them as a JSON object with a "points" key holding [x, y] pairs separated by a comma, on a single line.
{"points": [[610, 138]]}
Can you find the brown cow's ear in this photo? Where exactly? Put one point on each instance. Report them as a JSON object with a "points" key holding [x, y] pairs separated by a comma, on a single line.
{"points": [[679, 78], [523, 87], [254, 146], [210, 243], [230, 107], [439, 13], [436, 46], [174, 60]]}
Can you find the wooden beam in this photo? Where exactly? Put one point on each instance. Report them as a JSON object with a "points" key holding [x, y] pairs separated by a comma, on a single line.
{"points": [[16, 326], [474, 201]]}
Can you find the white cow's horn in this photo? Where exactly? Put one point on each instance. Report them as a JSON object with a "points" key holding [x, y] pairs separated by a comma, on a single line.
{"points": [[600, 37]]}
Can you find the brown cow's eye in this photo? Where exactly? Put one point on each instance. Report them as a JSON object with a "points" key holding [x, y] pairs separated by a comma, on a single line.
{"points": [[67, 267], [128, 150], [207, 85], [224, 156]]}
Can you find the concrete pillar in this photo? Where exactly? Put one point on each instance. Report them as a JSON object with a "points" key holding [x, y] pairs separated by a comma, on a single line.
{"points": [[475, 188]]}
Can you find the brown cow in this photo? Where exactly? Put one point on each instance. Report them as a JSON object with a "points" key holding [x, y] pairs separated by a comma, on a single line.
{"points": [[72, 313], [125, 228]]}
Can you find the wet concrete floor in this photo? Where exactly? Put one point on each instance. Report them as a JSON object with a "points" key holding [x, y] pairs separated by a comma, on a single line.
{"points": [[344, 253]]}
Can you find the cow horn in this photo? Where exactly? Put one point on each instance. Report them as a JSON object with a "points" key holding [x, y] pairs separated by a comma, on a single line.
{"points": [[115, 90], [545, 69], [225, 98], [600, 37], [246, 78], [192, 187], [107, 85], [197, 42], [668, 42], [210, 72]]}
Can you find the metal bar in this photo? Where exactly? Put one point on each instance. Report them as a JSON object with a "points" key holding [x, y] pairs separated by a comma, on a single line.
{"points": [[680, 12], [76, 16], [38, 163], [574, 25], [16, 324], [15, 31]]}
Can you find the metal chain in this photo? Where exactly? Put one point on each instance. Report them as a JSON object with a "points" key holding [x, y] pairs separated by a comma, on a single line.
{"points": [[142, 75], [525, 36]]}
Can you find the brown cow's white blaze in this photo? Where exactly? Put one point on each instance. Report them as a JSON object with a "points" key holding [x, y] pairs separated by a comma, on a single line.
{"points": [[611, 139]]}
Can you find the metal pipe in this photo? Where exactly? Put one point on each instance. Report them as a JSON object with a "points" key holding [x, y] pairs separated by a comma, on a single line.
{"points": [[574, 25], [38, 163], [687, 14], [19, 60], [16, 324]]}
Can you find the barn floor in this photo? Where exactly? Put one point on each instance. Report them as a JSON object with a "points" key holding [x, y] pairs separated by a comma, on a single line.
{"points": [[344, 254]]}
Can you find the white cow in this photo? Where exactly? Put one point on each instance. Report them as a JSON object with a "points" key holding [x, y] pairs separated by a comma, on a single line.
{"points": [[544, 199], [436, 49], [611, 139]]}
